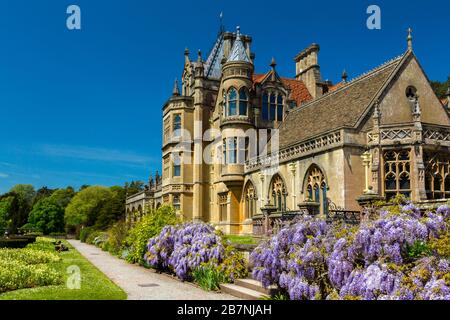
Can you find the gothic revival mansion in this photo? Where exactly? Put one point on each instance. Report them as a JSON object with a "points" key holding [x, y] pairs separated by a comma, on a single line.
{"points": [[384, 133]]}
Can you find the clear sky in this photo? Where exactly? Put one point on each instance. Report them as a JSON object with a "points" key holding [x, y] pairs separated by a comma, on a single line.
{"points": [[84, 107]]}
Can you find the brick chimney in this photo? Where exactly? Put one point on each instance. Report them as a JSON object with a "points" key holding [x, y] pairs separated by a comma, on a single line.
{"points": [[308, 69]]}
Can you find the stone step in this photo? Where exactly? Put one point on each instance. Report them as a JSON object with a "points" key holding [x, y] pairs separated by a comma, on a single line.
{"points": [[256, 286], [241, 292]]}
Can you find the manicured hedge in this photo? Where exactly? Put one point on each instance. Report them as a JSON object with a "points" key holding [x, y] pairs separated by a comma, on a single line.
{"points": [[13, 243]]}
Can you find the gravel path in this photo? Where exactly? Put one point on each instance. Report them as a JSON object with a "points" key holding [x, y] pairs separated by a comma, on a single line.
{"points": [[140, 283]]}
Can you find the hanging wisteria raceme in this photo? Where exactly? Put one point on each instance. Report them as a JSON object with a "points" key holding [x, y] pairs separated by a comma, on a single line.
{"points": [[183, 248], [390, 258]]}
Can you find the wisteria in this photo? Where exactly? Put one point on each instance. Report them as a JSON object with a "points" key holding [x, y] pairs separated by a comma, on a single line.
{"points": [[393, 257], [184, 247]]}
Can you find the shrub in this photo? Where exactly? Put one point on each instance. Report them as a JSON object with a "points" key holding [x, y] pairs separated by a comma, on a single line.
{"points": [[29, 267], [195, 251], [208, 277], [150, 225], [116, 237], [397, 256], [233, 265], [16, 275], [85, 232], [13, 243]]}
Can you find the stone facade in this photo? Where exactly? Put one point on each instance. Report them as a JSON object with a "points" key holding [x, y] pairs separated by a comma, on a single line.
{"points": [[319, 145], [137, 205]]}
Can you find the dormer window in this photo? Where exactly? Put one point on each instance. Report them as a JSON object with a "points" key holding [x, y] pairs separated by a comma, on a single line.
{"points": [[236, 104], [272, 107]]}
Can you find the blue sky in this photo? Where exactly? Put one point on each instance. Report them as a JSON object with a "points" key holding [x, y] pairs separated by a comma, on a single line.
{"points": [[84, 107]]}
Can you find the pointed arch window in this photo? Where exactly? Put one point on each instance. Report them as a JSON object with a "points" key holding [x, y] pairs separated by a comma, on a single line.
{"points": [[317, 188], [397, 173], [243, 102], [278, 193], [232, 102], [437, 176], [250, 201]]}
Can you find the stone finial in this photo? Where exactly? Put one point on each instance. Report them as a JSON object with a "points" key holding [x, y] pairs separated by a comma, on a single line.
{"points": [[175, 91], [186, 55], [199, 59], [410, 39], [273, 63], [344, 76]]}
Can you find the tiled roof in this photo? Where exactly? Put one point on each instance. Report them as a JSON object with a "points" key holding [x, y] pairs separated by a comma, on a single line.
{"points": [[299, 91], [341, 108]]}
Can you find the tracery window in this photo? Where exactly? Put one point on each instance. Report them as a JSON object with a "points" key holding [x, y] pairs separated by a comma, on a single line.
{"points": [[272, 107], [437, 176], [397, 173], [278, 193], [250, 200], [236, 104], [317, 188]]}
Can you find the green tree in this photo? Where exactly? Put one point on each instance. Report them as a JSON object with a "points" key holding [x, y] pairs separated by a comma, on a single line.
{"points": [[113, 210], [47, 216], [24, 195], [85, 205], [42, 193], [134, 187], [63, 196], [440, 88]]}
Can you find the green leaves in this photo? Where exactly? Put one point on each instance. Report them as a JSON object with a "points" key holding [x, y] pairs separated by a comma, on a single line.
{"points": [[47, 216], [150, 226]]}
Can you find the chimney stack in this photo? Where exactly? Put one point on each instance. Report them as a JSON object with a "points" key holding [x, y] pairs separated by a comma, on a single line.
{"points": [[308, 69]]}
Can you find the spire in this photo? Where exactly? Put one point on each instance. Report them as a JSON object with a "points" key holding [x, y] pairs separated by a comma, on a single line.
{"points": [[410, 39], [344, 76], [238, 52], [273, 63], [222, 28], [175, 91], [199, 67]]}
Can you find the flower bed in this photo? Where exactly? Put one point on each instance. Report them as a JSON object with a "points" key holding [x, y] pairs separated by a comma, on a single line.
{"points": [[194, 251], [28, 268], [401, 255]]}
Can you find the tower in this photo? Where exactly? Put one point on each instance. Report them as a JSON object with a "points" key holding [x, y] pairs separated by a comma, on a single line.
{"points": [[236, 117]]}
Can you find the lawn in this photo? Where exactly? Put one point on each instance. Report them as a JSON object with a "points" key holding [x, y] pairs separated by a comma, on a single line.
{"points": [[234, 239], [94, 284]]}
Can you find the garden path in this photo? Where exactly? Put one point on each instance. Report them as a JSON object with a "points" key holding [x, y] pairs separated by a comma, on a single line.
{"points": [[140, 283]]}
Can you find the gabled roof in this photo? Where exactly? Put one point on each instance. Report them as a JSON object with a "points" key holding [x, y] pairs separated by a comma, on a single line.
{"points": [[238, 52], [444, 102], [342, 107], [299, 91]]}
